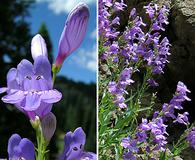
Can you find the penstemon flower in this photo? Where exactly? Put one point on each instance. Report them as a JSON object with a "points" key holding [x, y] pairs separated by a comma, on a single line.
{"points": [[38, 46], [176, 103], [74, 146], [118, 89], [73, 33], [30, 87], [20, 149], [136, 51]]}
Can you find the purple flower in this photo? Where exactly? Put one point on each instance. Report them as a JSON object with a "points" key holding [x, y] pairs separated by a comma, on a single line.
{"points": [[152, 82], [73, 33], [129, 156], [114, 48], [154, 130], [108, 3], [20, 148], [159, 16], [118, 89], [30, 87], [105, 28], [116, 20], [38, 46], [182, 118], [191, 137], [131, 146], [176, 102], [158, 130], [126, 142], [144, 125], [74, 146], [119, 6]]}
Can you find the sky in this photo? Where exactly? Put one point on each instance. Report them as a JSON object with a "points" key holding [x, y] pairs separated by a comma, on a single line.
{"points": [[82, 64]]}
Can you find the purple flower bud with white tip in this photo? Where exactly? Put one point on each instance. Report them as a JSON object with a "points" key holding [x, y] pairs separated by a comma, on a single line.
{"points": [[38, 46], [73, 33], [48, 124]]}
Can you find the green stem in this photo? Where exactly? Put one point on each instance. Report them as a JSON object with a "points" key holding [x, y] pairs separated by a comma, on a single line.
{"points": [[55, 70], [54, 77], [142, 90], [41, 144]]}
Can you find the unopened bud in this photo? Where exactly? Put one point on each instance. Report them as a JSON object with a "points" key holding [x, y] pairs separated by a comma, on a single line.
{"points": [[48, 124], [35, 122], [73, 33], [38, 46]]}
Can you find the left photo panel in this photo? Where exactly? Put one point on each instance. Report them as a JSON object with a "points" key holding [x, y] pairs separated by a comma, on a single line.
{"points": [[48, 80]]}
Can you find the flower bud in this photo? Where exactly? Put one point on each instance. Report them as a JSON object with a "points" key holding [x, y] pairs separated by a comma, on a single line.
{"points": [[38, 46], [35, 122], [48, 124], [73, 33]]}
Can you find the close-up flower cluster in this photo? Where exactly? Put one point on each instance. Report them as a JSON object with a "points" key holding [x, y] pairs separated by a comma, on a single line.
{"points": [[30, 88], [133, 122]]}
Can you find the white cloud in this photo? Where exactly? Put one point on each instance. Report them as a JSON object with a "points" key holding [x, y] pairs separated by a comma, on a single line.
{"points": [[87, 59], [59, 6]]}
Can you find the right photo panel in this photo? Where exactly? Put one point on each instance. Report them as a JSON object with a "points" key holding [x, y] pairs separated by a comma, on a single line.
{"points": [[146, 79]]}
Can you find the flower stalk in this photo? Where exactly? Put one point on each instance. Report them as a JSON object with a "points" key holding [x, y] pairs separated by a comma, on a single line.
{"points": [[41, 142]]}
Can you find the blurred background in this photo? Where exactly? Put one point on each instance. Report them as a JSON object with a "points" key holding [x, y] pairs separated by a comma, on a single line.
{"points": [[20, 20]]}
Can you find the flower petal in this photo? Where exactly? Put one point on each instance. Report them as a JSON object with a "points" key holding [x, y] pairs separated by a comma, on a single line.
{"points": [[33, 101], [38, 47], [11, 79], [44, 109], [14, 140], [89, 155], [76, 26], [14, 97], [79, 136], [27, 149], [51, 96], [67, 149], [25, 69], [3, 89], [42, 67]]}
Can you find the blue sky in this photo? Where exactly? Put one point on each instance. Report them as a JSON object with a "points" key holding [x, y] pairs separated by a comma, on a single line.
{"points": [[81, 65]]}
